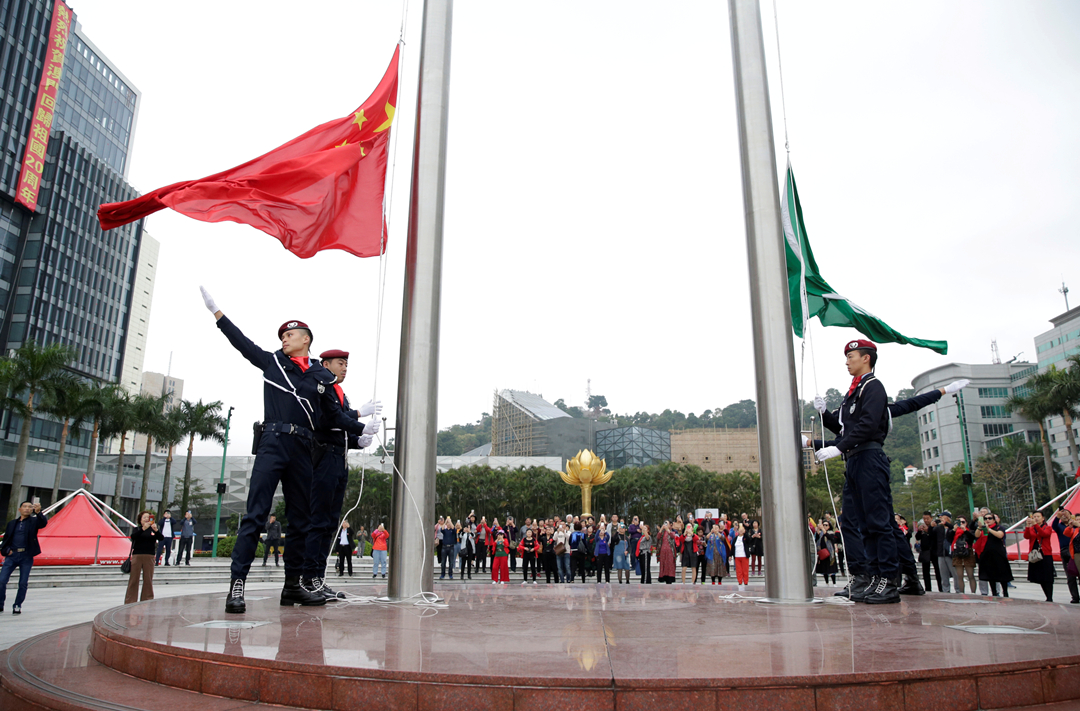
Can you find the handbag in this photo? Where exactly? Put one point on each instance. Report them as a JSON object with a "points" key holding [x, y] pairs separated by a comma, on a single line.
{"points": [[1035, 555], [125, 567], [823, 553]]}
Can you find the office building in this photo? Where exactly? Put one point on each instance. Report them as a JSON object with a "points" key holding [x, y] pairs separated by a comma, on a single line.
{"points": [[1053, 348], [67, 120], [989, 421], [157, 384]]}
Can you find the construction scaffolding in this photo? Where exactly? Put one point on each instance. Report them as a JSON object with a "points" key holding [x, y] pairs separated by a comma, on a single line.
{"points": [[513, 433]]}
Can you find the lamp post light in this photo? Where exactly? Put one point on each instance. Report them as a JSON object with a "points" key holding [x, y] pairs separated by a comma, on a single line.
{"points": [[221, 485]]}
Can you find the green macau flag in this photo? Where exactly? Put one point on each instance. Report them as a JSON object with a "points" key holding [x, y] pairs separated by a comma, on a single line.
{"points": [[812, 296]]}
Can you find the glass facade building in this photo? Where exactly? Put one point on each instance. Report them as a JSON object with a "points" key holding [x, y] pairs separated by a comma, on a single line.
{"points": [[63, 279], [633, 447]]}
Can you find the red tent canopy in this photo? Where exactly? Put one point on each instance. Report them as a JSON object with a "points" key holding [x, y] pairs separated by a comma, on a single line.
{"points": [[1019, 549], [72, 537]]}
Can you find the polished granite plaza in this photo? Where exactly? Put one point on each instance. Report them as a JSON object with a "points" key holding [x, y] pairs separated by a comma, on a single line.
{"points": [[606, 646]]}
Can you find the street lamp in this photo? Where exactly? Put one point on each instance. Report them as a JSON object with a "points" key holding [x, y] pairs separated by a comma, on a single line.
{"points": [[221, 485]]}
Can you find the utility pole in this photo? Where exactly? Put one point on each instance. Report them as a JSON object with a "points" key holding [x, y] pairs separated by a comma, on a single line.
{"points": [[221, 484]]}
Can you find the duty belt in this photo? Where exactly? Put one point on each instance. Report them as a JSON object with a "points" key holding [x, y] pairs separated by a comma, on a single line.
{"points": [[288, 428], [864, 447], [333, 449]]}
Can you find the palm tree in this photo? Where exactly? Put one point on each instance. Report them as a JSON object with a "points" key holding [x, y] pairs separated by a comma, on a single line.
{"points": [[1035, 407], [67, 402], [149, 420], [202, 421], [171, 434], [97, 399], [117, 421], [28, 372]]}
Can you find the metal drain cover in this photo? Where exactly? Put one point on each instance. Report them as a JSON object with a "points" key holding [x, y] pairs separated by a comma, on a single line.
{"points": [[231, 624], [994, 629]]}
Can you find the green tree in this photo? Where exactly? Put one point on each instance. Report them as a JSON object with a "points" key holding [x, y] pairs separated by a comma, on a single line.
{"points": [[1062, 391], [26, 374], [98, 396], [170, 434], [118, 419], [66, 401], [201, 503], [150, 421], [1035, 406], [203, 421], [902, 445]]}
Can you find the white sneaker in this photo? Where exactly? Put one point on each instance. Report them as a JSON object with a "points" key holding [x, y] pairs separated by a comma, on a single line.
{"points": [[494, 583]]}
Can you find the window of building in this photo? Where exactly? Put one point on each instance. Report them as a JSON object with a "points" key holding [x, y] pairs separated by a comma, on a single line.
{"points": [[995, 411], [996, 430], [993, 392], [935, 451], [931, 415], [933, 434]]}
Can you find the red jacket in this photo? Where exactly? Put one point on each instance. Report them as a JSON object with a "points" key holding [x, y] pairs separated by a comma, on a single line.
{"points": [[521, 547], [1042, 534]]}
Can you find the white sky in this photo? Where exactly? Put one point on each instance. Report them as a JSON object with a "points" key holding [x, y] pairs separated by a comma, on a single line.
{"points": [[594, 221]]}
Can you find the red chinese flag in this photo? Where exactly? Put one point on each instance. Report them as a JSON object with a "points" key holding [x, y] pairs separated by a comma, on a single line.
{"points": [[323, 190], [85, 479]]}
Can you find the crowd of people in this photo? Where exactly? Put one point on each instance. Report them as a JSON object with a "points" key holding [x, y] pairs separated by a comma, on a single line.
{"points": [[974, 549], [582, 548]]}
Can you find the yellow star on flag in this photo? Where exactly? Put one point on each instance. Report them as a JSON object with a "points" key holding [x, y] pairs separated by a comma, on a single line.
{"points": [[343, 143], [389, 118], [360, 118]]}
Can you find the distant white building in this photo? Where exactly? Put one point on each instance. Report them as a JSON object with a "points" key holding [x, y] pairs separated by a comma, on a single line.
{"points": [[911, 471]]}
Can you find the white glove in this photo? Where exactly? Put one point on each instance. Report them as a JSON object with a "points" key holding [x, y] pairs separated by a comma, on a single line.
{"points": [[366, 440], [819, 403], [827, 453], [956, 386], [372, 427], [372, 407], [805, 441], [209, 300]]}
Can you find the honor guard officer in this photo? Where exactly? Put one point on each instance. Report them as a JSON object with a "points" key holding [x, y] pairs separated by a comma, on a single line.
{"points": [[862, 423], [331, 473], [853, 538], [293, 389]]}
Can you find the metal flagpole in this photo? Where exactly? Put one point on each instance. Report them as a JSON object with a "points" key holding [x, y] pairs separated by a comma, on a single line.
{"points": [[411, 541], [787, 575]]}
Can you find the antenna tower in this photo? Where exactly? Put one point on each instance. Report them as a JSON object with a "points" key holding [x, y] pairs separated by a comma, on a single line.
{"points": [[996, 359]]}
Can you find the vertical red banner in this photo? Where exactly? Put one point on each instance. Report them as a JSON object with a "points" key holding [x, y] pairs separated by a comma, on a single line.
{"points": [[41, 124]]}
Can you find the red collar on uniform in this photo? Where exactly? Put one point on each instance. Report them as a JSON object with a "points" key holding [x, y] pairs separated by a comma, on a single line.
{"points": [[304, 363], [340, 394], [854, 384]]}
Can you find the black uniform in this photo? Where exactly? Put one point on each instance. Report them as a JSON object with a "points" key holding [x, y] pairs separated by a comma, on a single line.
{"points": [[338, 433], [862, 423], [292, 410], [854, 552]]}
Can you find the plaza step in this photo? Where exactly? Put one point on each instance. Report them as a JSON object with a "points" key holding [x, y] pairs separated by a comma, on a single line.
{"points": [[55, 671]]}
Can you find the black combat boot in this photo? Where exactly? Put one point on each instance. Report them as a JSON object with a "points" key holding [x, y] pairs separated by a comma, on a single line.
{"points": [[856, 582], [860, 591], [295, 594], [882, 592], [235, 601], [911, 586]]}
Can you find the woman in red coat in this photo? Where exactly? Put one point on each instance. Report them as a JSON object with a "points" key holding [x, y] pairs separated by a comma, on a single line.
{"points": [[667, 541], [1038, 536]]}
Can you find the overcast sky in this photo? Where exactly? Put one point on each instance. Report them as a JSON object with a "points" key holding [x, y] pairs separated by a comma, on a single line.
{"points": [[594, 222]]}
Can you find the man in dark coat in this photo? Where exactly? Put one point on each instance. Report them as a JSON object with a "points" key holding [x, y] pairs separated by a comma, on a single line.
{"points": [[19, 547]]}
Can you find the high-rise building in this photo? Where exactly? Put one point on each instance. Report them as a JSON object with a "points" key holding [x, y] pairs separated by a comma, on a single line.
{"points": [[989, 420], [1053, 348], [67, 120], [158, 384], [524, 424]]}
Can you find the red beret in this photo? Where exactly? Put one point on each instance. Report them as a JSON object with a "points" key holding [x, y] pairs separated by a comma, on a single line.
{"points": [[857, 344], [290, 325], [334, 353]]}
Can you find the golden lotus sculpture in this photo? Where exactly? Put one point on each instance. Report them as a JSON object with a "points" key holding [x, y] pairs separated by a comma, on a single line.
{"points": [[586, 470]]}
